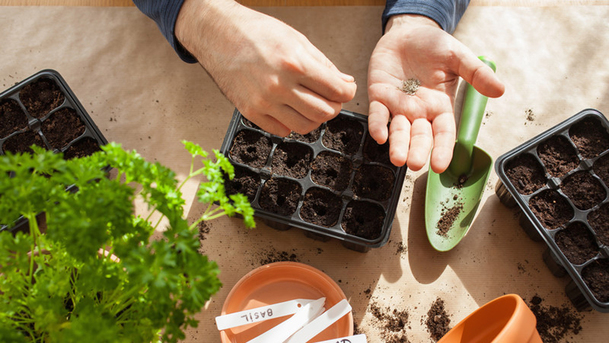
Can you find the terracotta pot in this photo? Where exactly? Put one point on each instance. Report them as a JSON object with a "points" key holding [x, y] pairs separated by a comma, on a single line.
{"points": [[506, 319]]}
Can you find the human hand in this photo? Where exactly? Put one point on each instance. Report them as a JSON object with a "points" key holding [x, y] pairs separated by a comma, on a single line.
{"points": [[416, 48], [268, 70]]}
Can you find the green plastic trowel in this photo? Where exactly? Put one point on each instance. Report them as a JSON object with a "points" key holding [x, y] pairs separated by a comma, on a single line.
{"points": [[452, 197]]}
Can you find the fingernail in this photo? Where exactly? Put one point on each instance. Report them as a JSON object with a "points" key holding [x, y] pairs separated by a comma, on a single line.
{"points": [[347, 77]]}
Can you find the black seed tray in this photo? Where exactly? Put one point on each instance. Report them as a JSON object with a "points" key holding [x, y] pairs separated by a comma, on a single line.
{"points": [[296, 184], [33, 110], [559, 180]]}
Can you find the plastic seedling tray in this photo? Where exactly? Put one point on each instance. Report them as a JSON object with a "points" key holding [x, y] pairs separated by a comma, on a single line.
{"points": [[334, 183], [43, 110], [559, 180]]}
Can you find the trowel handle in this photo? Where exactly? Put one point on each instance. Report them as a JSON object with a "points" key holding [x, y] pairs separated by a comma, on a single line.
{"points": [[469, 126]]}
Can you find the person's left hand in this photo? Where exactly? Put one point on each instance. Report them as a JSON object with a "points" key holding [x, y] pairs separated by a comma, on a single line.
{"points": [[415, 47]]}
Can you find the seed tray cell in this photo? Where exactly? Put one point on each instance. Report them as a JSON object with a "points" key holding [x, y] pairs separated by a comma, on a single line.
{"points": [[560, 182], [334, 183]]}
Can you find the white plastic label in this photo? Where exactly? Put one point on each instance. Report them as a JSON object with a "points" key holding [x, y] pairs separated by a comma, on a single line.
{"points": [[361, 338], [320, 323], [259, 314]]}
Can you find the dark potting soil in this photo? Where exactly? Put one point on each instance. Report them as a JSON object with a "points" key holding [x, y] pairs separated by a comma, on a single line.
{"points": [[375, 152], [84, 147], [251, 148], [449, 215], [583, 189], [249, 123], [393, 323], [41, 97], [590, 137], [554, 324], [525, 173], [343, 135], [577, 243], [551, 209], [321, 207], [601, 168], [438, 321], [363, 219], [331, 170], [598, 220], [280, 196], [245, 182], [373, 182], [62, 127], [291, 159], [310, 137], [558, 155], [596, 276], [22, 142], [12, 118], [271, 256]]}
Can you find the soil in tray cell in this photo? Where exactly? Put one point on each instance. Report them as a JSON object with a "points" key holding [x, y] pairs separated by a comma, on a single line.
{"points": [[526, 174], [331, 170], [41, 97], [280, 196], [251, 148], [343, 135], [84, 147], [363, 219], [596, 276], [601, 168], [375, 152], [245, 182], [62, 127], [584, 190], [373, 182], [321, 207], [577, 243], [12, 118], [551, 209], [598, 220], [558, 155], [310, 137], [291, 159], [22, 142], [590, 137]]}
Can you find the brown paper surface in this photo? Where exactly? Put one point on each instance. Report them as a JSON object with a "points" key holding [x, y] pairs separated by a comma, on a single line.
{"points": [[140, 94]]}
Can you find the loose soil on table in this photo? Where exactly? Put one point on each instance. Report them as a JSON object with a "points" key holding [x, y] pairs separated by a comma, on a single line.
{"points": [[280, 196], [22, 142], [291, 159], [601, 168], [41, 97], [321, 207], [596, 276], [555, 324], [598, 220], [577, 243], [526, 174], [84, 147], [438, 321], [363, 219], [551, 209], [583, 190], [62, 127], [331, 170], [590, 137], [393, 323], [375, 152], [12, 118], [449, 215], [343, 135], [245, 182], [251, 148], [272, 256], [558, 155], [373, 182]]}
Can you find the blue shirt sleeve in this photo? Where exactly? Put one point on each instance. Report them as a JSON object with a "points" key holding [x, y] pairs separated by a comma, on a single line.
{"points": [[446, 13], [165, 14]]}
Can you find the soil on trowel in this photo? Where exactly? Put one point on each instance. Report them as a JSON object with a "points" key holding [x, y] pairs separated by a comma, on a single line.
{"points": [[438, 321], [392, 323], [449, 215], [555, 324]]}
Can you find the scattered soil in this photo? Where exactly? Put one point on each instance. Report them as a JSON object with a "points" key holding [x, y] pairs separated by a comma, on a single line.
{"points": [[601, 168], [449, 215], [577, 243], [310, 137], [554, 324], [22, 142], [373, 182], [12, 118], [530, 115], [438, 321], [251, 148], [598, 220], [272, 255], [590, 137], [84, 147], [321, 207], [583, 190], [41, 97], [343, 135], [204, 230], [363, 219], [525, 173], [280, 196], [331, 170], [596, 276], [393, 323], [375, 152], [551, 209], [62, 127], [245, 182], [291, 159], [558, 155], [410, 86]]}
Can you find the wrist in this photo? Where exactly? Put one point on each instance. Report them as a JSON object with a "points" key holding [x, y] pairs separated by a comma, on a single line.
{"points": [[410, 20]]}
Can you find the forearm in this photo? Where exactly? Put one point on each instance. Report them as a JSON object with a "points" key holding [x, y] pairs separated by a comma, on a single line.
{"points": [[446, 13]]}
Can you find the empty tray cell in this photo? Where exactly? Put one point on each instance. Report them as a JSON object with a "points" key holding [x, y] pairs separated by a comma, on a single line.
{"points": [[596, 276], [81, 148], [601, 168], [331, 170], [590, 137], [310, 137], [551, 209], [598, 220], [321, 207], [41, 97], [12, 118], [558, 155], [577, 243], [363, 219], [251, 148], [526, 173], [62, 127], [280, 196], [22, 142], [343, 135], [375, 152], [373, 182], [245, 182], [291, 159], [583, 189]]}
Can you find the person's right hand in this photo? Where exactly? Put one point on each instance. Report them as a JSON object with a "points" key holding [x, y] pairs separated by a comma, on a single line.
{"points": [[268, 70]]}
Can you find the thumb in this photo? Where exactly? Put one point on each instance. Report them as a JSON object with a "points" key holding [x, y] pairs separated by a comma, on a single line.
{"points": [[479, 75]]}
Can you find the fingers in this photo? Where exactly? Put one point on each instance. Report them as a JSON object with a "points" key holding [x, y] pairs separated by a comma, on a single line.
{"points": [[478, 74], [444, 132], [399, 140], [322, 77], [312, 107], [420, 143], [270, 125], [378, 118]]}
